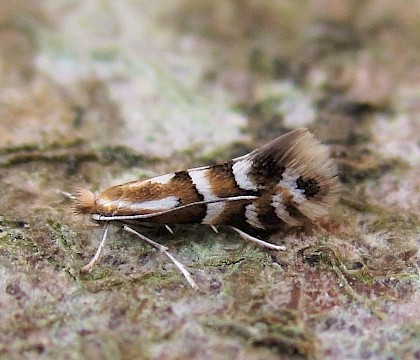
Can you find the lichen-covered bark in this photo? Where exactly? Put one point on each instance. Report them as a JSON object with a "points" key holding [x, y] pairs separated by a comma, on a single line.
{"points": [[98, 93]]}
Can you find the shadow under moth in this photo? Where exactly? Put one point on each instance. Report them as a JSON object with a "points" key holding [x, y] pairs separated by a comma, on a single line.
{"points": [[289, 182]]}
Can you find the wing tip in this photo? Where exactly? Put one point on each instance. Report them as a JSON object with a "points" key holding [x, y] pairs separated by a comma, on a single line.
{"points": [[302, 155]]}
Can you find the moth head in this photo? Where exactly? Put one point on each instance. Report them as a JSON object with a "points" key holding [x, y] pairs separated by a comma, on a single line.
{"points": [[84, 201]]}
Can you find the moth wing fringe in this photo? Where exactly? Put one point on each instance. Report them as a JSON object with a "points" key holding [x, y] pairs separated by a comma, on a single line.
{"points": [[301, 153]]}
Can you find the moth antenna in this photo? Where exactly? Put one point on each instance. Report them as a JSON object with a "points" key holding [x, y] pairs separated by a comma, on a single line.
{"points": [[84, 201], [66, 194]]}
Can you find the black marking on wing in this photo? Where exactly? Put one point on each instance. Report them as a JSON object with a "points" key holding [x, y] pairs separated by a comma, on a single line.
{"points": [[269, 219], [266, 169], [310, 187]]}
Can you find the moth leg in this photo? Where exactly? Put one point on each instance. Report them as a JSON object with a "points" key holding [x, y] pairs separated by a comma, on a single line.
{"points": [[88, 267], [169, 229], [214, 228], [262, 243], [164, 249]]}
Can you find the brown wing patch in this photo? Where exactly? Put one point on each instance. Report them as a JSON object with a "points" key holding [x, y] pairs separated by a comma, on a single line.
{"points": [[223, 182]]}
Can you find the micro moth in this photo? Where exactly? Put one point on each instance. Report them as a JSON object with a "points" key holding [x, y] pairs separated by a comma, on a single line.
{"points": [[289, 182]]}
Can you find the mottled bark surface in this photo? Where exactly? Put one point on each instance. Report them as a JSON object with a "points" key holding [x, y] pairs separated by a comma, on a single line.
{"points": [[96, 93]]}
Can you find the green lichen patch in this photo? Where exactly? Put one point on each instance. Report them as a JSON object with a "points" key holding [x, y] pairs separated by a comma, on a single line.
{"points": [[14, 241], [73, 153], [394, 222], [365, 165], [282, 332]]}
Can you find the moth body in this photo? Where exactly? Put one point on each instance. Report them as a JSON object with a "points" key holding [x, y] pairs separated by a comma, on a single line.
{"points": [[287, 182]]}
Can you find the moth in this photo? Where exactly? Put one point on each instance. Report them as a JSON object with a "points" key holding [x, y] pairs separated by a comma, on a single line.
{"points": [[289, 182]]}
